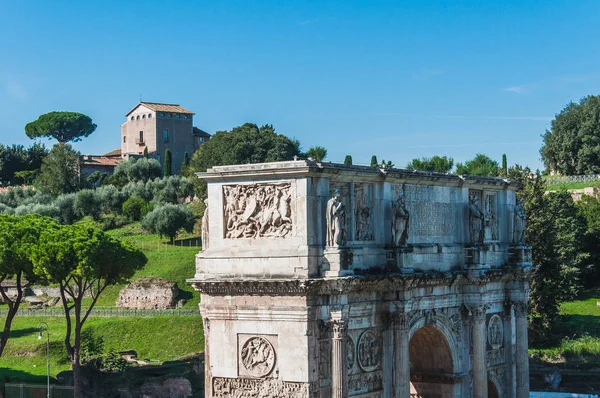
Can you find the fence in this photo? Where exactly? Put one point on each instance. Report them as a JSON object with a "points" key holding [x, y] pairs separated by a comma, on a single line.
{"points": [[567, 179], [108, 312], [14, 390]]}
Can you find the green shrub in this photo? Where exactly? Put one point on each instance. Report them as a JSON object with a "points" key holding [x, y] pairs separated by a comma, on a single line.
{"points": [[87, 203], [66, 212], [133, 207], [112, 221]]}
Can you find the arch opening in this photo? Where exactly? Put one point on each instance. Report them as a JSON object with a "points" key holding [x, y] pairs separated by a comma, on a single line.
{"points": [[431, 364], [492, 389]]}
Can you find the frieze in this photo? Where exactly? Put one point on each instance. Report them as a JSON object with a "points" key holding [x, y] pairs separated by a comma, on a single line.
{"points": [[348, 284], [257, 211], [258, 388], [495, 357], [365, 382]]}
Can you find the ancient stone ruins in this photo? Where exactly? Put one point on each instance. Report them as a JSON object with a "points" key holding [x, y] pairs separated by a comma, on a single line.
{"points": [[323, 280]]}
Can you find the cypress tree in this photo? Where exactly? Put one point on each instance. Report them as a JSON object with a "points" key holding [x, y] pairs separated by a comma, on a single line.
{"points": [[186, 160], [504, 165], [168, 165], [348, 160], [145, 152], [374, 162]]}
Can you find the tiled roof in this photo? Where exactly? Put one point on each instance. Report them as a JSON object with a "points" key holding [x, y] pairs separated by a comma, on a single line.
{"points": [[158, 107], [87, 160], [116, 152]]}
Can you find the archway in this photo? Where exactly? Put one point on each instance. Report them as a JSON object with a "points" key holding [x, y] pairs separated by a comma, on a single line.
{"points": [[492, 389], [431, 366]]}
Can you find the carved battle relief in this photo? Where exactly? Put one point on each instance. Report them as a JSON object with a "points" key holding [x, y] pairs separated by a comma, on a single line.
{"points": [[365, 382], [363, 218], [495, 357], [257, 388], [491, 217], [256, 357], [369, 351], [495, 332], [257, 210]]}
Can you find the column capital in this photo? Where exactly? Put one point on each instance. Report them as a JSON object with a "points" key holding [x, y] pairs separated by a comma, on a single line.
{"points": [[521, 308], [339, 328], [477, 312]]}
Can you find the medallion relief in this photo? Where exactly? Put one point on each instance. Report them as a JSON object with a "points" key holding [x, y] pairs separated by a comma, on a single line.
{"points": [[369, 351], [495, 332], [257, 357], [257, 211]]}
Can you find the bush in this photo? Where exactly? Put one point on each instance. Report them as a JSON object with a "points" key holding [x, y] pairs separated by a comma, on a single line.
{"points": [[112, 221], [111, 199], [66, 212], [167, 220], [133, 208], [87, 204], [133, 170]]}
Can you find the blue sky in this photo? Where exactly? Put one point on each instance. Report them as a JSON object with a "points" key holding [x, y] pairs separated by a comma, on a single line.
{"points": [[396, 79]]}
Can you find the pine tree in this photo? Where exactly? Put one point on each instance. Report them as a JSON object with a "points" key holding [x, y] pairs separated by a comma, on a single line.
{"points": [[348, 160], [168, 165], [374, 162]]}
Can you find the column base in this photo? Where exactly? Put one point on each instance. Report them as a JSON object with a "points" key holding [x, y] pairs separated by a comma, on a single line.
{"points": [[519, 255]]}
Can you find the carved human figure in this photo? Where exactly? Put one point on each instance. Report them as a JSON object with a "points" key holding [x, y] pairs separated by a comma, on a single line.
{"points": [[476, 220], [520, 221], [400, 217], [335, 215], [205, 226]]}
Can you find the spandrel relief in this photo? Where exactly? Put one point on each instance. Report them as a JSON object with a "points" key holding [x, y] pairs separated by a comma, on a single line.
{"points": [[257, 211]]}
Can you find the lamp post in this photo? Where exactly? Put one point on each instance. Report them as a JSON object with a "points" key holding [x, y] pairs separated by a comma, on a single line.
{"points": [[43, 326]]}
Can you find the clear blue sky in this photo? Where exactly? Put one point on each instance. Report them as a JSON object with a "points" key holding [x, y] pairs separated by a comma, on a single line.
{"points": [[399, 79]]}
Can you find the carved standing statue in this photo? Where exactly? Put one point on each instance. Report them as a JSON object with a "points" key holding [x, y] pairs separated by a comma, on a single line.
{"points": [[476, 220], [335, 220], [520, 221], [205, 226], [400, 218]]}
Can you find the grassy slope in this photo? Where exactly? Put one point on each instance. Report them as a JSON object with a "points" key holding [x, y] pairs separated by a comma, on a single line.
{"points": [[581, 323], [570, 185], [157, 338]]}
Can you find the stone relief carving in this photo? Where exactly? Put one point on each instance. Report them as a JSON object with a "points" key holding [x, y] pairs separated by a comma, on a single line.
{"points": [[369, 351], [520, 222], [205, 226], [257, 210], [336, 220], [495, 357], [476, 220], [350, 353], [495, 332], [400, 218], [258, 356], [258, 388], [324, 358], [365, 382], [491, 217], [363, 212]]}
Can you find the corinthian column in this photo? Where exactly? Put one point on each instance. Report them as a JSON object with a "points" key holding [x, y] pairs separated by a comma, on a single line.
{"points": [[339, 385], [479, 336], [522, 356], [401, 355]]}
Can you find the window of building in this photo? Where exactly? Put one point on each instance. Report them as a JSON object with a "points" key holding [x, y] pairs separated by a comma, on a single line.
{"points": [[161, 114], [141, 137], [177, 116], [149, 116], [185, 116], [124, 139], [169, 116], [166, 135], [138, 117], [143, 116], [132, 118]]}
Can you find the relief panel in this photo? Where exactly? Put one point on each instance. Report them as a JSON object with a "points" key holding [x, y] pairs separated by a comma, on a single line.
{"points": [[363, 212], [257, 388]]}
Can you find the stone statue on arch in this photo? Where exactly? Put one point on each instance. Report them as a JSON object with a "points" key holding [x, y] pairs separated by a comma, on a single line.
{"points": [[336, 220], [400, 218]]}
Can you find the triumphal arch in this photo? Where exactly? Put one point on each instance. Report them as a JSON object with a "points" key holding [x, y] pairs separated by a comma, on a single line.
{"points": [[324, 280]]}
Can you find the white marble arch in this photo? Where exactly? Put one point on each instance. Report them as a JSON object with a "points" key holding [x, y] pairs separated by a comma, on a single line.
{"points": [[442, 325]]}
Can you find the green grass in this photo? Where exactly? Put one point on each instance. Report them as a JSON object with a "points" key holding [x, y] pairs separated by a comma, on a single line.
{"points": [[581, 327], [174, 263], [155, 338], [570, 185]]}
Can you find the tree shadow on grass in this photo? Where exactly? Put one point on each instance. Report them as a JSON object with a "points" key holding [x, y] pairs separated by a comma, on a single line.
{"points": [[8, 375], [15, 333], [578, 325]]}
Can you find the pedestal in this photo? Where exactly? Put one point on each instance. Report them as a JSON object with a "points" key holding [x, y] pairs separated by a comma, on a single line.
{"points": [[476, 260], [397, 259], [339, 260], [519, 255]]}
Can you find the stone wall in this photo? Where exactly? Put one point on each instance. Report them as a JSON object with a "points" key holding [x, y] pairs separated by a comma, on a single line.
{"points": [[148, 293]]}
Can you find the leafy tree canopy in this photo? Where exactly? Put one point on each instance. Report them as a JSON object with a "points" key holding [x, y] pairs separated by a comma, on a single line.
{"points": [[348, 160], [243, 144], [318, 153], [167, 220], [60, 170], [480, 165], [19, 164], [440, 164], [62, 126], [572, 145]]}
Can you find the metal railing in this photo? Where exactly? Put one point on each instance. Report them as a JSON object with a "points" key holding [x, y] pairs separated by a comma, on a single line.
{"points": [[19, 390], [568, 179], [108, 312]]}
